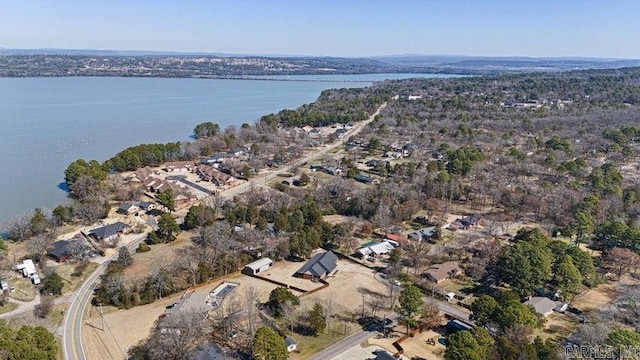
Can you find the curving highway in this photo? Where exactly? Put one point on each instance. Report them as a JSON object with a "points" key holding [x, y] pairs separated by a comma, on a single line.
{"points": [[72, 325]]}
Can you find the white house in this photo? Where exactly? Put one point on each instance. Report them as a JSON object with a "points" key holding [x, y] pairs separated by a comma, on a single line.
{"points": [[376, 250]]}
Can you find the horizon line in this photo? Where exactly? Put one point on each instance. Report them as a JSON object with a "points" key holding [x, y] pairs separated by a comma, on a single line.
{"points": [[211, 53]]}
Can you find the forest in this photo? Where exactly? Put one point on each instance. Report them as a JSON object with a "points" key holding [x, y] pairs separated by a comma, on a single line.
{"points": [[552, 155]]}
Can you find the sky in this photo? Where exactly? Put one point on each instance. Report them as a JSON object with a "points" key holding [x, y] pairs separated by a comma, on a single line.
{"points": [[538, 28]]}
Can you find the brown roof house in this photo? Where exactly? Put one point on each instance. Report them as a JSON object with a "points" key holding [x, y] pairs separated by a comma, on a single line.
{"points": [[440, 272]]}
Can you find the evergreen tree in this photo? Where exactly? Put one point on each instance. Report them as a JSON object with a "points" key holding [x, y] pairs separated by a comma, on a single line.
{"points": [[268, 345]]}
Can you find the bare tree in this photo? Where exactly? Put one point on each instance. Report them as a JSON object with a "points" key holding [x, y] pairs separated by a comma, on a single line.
{"points": [[328, 310], [174, 342]]}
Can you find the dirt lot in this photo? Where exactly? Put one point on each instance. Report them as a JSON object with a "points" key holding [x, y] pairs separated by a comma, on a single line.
{"points": [[595, 299], [348, 286]]}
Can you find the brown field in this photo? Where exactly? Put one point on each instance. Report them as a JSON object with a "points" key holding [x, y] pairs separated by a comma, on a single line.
{"points": [[122, 328], [558, 326], [595, 299], [348, 287], [160, 255], [339, 219]]}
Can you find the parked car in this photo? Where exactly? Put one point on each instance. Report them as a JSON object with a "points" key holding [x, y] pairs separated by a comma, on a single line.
{"points": [[574, 311]]}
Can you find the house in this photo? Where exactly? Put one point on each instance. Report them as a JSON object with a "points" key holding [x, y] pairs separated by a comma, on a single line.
{"points": [[291, 344], [4, 286], [63, 250], [440, 272], [376, 250], [545, 306], [340, 132], [333, 170], [366, 179], [307, 128], [143, 205], [372, 162], [315, 133], [192, 303], [319, 266], [182, 166], [128, 208], [237, 151], [258, 266], [398, 239], [27, 268], [384, 355], [215, 160], [422, 234], [110, 232], [470, 221]]}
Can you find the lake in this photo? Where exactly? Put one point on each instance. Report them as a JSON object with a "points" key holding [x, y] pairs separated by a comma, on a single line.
{"points": [[49, 122]]}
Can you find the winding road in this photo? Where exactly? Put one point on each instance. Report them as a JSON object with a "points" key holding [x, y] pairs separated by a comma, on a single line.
{"points": [[73, 320]]}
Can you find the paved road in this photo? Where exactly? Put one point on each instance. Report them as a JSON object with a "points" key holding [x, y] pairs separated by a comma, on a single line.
{"points": [[72, 326], [343, 345]]}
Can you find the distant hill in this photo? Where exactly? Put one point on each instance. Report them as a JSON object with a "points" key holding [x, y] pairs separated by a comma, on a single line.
{"points": [[70, 62]]}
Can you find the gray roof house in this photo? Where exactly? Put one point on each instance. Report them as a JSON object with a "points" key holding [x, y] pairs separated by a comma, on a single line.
{"points": [[111, 231], [542, 305], [319, 266], [422, 234]]}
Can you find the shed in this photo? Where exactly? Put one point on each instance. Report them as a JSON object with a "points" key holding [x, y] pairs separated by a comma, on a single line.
{"points": [[258, 266], [291, 344]]}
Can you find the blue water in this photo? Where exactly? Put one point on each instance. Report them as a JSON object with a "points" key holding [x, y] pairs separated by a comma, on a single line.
{"points": [[46, 123]]}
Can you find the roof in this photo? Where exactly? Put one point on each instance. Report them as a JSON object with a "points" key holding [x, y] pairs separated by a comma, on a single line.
{"points": [[379, 248], [384, 355], [442, 271], [398, 238], [542, 305], [126, 206], [289, 341], [191, 302], [259, 263], [320, 264], [424, 233], [110, 230], [60, 249]]}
